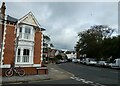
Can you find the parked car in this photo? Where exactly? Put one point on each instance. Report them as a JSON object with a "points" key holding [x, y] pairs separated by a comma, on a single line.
{"points": [[78, 60], [90, 61], [82, 61], [115, 63], [74, 60], [62, 61], [103, 63], [57, 62], [107, 63]]}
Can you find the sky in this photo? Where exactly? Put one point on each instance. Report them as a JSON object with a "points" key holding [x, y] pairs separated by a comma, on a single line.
{"points": [[64, 20]]}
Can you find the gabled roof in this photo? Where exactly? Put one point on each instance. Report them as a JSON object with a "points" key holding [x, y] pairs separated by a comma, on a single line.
{"points": [[29, 19]]}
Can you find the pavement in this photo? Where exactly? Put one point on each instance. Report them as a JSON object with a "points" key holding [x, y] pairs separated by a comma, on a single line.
{"points": [[54, 73]]}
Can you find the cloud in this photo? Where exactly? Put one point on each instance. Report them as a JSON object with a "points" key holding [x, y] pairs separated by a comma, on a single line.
{"points": [[63, 20]]}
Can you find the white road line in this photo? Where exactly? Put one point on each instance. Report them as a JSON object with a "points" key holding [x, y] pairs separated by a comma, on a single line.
{"points": [[51, 68], [114, 71], [55, 70], [78, 79], [85, 81], [61, 72], [90, 82], [99, 84], [72, 77]]}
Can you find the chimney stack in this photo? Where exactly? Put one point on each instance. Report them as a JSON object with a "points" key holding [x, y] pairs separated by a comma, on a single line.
{"points": [[3, 7]]}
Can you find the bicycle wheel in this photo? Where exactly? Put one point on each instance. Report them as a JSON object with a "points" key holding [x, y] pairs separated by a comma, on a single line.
{"points": [[21, 72], [9, 72]]}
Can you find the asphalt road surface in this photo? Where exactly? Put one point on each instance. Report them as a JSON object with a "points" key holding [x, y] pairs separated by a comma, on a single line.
{"points": [[101, 76]]}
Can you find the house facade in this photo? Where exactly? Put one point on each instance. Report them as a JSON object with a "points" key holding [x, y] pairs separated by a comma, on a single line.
{"points": [[71, 55], [22, 43]]}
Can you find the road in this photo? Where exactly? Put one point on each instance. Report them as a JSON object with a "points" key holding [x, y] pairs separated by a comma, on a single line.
{"points": [[83, 74], [97, 75]]}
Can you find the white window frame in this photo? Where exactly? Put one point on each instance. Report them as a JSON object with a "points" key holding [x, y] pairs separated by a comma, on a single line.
{"points": [[21, 56], [22, 35]]}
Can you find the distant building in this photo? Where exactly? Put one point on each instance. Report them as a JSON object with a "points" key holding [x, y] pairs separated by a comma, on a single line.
{"points": [[71, 54]]}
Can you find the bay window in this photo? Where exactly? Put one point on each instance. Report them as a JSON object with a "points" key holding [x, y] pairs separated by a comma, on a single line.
{"points": [[26, 32], [24, 56]]}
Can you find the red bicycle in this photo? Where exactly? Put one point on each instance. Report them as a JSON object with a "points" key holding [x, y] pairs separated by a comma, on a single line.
{"points": [[19, 71]]}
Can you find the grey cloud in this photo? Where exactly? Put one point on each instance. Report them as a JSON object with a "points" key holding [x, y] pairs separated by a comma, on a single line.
{"points": [[63, 20]]}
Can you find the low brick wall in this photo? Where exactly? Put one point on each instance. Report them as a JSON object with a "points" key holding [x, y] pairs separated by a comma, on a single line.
{"points": [[29, 71], [42, 70]]}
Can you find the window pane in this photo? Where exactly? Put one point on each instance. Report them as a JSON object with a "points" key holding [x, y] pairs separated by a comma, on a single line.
{"points": [[27, 52], [18, 56], [24, 52], [27, 30], [20, 30], [25, 58], [25, 55], [18, 51]]}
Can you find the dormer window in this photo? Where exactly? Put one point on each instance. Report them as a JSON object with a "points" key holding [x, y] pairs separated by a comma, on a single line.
{"points": [[26, 32]]}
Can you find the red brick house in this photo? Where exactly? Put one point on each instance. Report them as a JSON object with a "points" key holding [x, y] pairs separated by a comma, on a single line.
{"points": [[22, 42]]}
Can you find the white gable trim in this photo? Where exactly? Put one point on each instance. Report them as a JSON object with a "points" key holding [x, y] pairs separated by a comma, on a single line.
{"points": [[24, 17]]}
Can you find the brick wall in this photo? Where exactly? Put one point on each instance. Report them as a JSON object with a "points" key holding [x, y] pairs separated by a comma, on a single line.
{"points": [[9, 45], [42, 71], [28, 71], [37, 47]]}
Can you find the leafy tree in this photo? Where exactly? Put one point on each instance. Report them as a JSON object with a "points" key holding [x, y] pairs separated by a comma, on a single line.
{"points": [[46, 38], [90, 41], [111, 47], [47, 48], [58, 57]]}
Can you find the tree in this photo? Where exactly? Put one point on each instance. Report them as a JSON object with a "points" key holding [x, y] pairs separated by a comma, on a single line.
{"points": [[58, 57], [47, 47], [90, 41], [111, 47], [46, 39], [51, 45]]}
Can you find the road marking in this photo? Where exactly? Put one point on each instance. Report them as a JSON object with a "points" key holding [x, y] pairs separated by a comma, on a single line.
{"points": [[72, 77], [78, 79], [61, 72], [86, 81], [90, 82], [51, 68], [114, 71], [55, 70]]}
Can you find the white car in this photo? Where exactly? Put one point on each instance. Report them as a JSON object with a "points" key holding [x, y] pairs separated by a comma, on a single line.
{"points": [[74, 60], [78, 60], [90, 61], [116, 63], [101, 63]]}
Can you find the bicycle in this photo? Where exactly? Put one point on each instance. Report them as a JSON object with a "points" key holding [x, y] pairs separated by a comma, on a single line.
{"points": [[11, 71]]}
